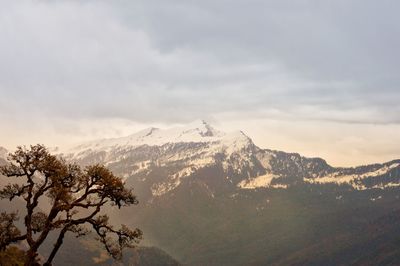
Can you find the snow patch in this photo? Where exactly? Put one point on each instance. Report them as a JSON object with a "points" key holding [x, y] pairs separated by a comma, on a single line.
{"points": [[173, 182], [265, 159], [162, 188], [283, 186], [262, 181], [354, 179], [388, 185], [375, 199]]}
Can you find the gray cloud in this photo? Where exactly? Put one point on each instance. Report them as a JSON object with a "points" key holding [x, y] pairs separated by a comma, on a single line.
{"points": [[175, 61]]}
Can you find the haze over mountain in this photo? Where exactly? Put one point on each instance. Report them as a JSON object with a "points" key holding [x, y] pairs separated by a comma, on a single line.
{"points": [[216, 198]]}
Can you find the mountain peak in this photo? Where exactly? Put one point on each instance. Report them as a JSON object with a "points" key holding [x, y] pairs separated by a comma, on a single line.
{"points": [[203, 128], [198, 131], [145, 132]]}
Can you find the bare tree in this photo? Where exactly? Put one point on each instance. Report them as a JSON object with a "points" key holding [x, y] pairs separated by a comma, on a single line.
{"points": [[76, 195]]}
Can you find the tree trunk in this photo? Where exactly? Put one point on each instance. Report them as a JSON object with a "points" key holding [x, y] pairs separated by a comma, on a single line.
{"points": [[31, 256], [57, 246]]}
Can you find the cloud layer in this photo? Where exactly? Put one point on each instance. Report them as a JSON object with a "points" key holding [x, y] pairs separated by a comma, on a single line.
{"points": [[167, 62]]}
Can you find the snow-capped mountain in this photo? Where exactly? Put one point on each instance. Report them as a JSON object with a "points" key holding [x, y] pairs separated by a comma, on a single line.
{"points": [[209, 197], [198, 131], [159, 160]]}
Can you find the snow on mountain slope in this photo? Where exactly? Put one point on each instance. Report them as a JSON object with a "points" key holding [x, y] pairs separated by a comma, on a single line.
{"points": [[355, 179], [257, 182], [198, 131], [180, 151], [165, 158]]}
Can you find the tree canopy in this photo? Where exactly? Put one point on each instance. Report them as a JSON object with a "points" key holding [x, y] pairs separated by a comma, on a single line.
{"points": [[76, 198]]}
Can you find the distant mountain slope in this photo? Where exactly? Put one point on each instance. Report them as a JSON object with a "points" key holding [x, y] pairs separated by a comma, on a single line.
{"points": [[89, 252], [376, 243], [213, 198]]}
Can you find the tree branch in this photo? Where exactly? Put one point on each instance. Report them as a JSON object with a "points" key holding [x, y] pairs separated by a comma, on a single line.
{"points": [[57, 246]]}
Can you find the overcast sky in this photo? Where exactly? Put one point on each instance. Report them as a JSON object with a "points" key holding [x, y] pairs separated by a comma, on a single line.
{"points": [[316, 77]]}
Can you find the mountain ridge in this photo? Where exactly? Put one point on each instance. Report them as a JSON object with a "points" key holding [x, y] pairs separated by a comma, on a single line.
{"points": [[178, 153]]}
